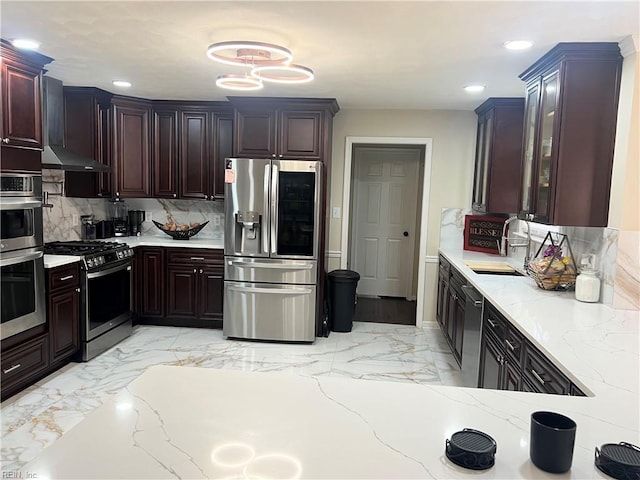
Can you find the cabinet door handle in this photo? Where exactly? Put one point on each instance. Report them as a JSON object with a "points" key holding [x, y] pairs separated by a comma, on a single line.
{"points": [[175, 195], [5, 140], [68, 277], [510, 346], [201, 270], [78, 289], [538, 377], [492, 323], [16, 366], [197, 258], [195, 270]]}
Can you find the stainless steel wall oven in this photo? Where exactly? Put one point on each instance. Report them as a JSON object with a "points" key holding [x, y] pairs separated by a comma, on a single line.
{"points": [[22, 288]]}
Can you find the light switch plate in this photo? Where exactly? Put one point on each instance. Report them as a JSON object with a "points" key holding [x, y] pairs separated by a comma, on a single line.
{"points": [[75, 220], [336, 212]]}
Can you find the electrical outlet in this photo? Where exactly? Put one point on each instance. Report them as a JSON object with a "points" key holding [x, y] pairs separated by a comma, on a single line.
{"points": [[75, 220], [148, 216], [336, 212], [216, 220]]}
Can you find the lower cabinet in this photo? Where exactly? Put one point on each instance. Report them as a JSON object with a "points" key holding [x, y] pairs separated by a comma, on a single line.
{"points": [[509, 362], [180, 286], [24, 363], [450, 309], [63, 298]]}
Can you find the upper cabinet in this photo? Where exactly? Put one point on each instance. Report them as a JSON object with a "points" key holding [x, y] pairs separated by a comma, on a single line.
{"points": [[282, 127], [131, 147], [498, 155], [88, 127], [569, 133], [21, 120]]}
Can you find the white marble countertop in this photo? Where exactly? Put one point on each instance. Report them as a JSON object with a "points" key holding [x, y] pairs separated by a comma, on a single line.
{"points": [[166, 241], [185, 422], [52, 261]]}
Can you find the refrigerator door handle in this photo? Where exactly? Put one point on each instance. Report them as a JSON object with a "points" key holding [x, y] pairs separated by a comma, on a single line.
{"points": [[276, 266], [274, 208], [267, 208], [279, 291]]}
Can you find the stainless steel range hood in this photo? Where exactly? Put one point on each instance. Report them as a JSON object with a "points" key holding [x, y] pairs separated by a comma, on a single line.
{"points": [[55, 155]]}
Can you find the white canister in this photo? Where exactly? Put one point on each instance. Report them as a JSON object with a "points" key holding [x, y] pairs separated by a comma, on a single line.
{"points": [[588, 286]]}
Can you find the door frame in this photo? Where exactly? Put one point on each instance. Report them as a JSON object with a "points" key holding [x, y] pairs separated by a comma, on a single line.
{"points": [[427, 143]]}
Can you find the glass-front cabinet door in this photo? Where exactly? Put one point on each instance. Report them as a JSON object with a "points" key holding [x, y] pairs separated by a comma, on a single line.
{"points": [[530, 117], [481, 175], [544, 164]]}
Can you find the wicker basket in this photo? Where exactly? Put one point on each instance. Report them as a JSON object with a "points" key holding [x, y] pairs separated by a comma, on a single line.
{"points": [[181, 234], [553, 280]]}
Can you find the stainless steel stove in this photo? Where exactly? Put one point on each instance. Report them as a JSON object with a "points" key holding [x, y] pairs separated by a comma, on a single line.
{"points": [[106, 292]]}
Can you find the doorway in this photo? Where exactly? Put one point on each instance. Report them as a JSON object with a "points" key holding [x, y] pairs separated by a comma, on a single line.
{"points": [[384, 229]]}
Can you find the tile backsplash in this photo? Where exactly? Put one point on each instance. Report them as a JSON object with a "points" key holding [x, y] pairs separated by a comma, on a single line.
{"points": [[59, 220], [602, 242]]}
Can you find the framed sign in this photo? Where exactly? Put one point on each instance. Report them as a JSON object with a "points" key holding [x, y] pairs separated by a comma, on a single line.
{"points": [[483, 233]]}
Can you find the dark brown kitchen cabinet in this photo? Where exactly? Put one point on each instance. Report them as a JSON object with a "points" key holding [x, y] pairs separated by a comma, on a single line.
{"points": [[23, 363], [542, 374], [21, 108], [491, 364], [282, 128], [195, 153], [165, 153], [150, 280], [498, 157], [450, 307], [131, 148], [195, 287], [88, 120], [222, 148], [63, 312], [569, 132]]}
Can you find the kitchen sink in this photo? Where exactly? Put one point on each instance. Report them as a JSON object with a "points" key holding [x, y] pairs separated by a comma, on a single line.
{"points": [[493, 268], [513, 273]]}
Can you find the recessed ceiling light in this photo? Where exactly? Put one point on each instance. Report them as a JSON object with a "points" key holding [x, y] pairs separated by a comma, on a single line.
{"points": [[474, 88], [121, 83], [25, 44], [518, 44]]}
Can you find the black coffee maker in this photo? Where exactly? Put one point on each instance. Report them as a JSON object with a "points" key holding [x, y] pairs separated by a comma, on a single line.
{"points": [[136, 217], [118, 215]]}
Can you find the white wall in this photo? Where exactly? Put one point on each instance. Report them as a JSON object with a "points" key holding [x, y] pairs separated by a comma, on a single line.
{"points": [[453, 134]]}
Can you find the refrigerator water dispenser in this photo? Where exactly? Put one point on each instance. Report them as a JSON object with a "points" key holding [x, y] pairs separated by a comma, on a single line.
{"points": [[248, 232]]}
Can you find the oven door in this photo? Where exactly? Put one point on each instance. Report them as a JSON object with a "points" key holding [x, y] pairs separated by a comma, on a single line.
{"points": [[108, 299], [22, 288], [20, 223]]}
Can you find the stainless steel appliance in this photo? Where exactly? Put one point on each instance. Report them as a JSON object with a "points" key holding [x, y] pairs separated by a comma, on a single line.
{"points": [[136, 217], [272, 221], [106, 292], [22, 286], [118, 217], [472, 336]]}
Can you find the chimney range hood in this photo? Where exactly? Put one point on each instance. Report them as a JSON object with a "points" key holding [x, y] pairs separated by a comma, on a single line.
{"points": [[55, 155]]}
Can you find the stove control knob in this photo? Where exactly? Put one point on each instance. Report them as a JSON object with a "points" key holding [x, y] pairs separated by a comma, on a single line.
{"points": [[90, 262], [120, 254]]}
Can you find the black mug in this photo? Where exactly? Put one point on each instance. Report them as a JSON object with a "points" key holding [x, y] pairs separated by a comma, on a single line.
{"points": [[551, 444]]}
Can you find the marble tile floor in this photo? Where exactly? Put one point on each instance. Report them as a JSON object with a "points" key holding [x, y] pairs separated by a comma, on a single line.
{"points": [[38, 416]]}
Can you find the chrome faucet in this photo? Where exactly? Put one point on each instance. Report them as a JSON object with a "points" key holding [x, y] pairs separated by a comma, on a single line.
{"points": [[513, 244]]}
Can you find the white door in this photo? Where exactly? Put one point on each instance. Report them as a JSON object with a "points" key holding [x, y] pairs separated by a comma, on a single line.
{"points": [[383, 221]]}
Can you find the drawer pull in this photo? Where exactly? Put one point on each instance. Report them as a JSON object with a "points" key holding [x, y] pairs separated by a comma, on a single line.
{"points": [[510, 346], [197, 258], [68, 277], [492, 323], [11, 369], [538, 377]]}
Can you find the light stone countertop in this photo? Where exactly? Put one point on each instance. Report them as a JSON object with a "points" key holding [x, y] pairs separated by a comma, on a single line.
{"points": [[182, 422], [53, 261]]}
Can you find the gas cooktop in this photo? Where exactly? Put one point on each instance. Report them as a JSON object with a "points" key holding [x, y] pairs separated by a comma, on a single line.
{"points": [[96, 255]]}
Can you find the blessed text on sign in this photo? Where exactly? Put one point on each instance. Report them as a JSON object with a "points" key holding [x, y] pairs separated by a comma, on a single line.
{"points": [[483, 233]]}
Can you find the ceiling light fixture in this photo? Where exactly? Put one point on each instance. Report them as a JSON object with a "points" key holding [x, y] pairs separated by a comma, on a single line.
{"points": [[261, 61], [121, 83], [474, 88], [518, 44], [25, 44], [239, 82], [283, 73]]}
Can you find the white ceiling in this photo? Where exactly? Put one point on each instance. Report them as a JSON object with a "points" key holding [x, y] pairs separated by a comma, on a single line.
{"points": [[389, 55]]}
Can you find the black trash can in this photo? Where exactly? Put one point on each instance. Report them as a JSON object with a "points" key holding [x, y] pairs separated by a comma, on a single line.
{"points": [[342, 299]]}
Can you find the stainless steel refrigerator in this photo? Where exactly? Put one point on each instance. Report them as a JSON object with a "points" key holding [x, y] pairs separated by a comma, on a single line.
{"points": [[271, 244]]}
